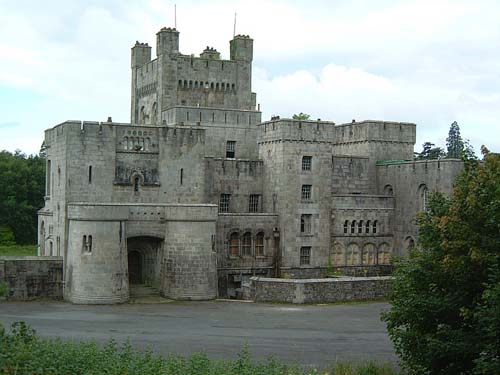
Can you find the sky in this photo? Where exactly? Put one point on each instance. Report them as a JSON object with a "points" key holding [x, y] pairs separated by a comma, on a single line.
{"points": [[426, 62]]}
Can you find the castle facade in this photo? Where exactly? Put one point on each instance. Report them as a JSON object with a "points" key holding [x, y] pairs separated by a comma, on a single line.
{"points": [[197, 193]]}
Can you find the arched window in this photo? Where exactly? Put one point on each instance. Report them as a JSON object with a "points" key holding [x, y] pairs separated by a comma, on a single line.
{"points": [[246, 247], [337, 255], [346, 226], [234, 245], [388, 190], [259, 244], [352, 258], [367, 227], [374, 230], [369, 254], [360, 227], [137, 182], [384, 254], [142, 118], [154, 112], [42, 238], [353, 226]]}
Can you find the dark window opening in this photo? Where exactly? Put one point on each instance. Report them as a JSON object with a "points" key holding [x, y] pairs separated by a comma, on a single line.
{"points": [[306, 192], [253, 203], [230, 149], [137, 181], [305, 223], [259, 244], [306, 163], [224, 202], [234, 245], [353, 226], [305, 255], [346, 226], [90, 174], [182, 175], [246, 246]]}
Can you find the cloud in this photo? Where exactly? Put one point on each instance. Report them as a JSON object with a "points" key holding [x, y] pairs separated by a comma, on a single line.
{"points": [[430, 62], [10, 124]]}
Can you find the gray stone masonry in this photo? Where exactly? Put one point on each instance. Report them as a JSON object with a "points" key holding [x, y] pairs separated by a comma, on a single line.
{"points": [[196, 194]]}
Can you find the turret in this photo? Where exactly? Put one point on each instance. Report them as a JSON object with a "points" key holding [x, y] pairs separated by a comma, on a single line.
{"points": [[141, 54], [167, 41], [241, 48]]}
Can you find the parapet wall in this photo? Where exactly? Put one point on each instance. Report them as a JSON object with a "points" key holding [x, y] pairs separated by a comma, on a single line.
{"points": [[317, 290], [32, 277]]}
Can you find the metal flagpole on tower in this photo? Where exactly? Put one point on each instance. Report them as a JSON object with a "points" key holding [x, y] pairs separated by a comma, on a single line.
{"points": [[175, 16], [234, 28]]}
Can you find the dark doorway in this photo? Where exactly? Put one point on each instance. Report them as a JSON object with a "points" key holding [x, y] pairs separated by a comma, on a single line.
{"points": [[134, 267]]}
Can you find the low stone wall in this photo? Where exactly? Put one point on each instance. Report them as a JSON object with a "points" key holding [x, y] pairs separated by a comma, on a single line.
{"points": [[340, 289], [32, 277]]}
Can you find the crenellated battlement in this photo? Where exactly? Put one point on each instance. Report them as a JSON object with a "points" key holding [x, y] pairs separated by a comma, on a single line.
{"points": [[296, 130]]}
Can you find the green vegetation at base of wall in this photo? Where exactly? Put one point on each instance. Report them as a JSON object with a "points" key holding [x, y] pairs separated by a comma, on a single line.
{"points": [[23, 352], [18, 250]]}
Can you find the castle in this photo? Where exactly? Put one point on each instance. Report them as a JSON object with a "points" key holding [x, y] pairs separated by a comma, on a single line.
{"points": [[196, 194]]}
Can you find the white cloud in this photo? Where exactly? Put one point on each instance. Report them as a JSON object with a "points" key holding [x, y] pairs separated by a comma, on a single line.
{"points": [[430, 62]]}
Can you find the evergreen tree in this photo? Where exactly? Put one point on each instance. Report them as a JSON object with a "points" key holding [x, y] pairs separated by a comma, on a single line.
{"points": [[454, 142], [301, 116], [430, 152]]}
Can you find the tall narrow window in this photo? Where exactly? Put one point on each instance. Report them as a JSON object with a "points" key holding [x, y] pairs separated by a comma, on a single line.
{"points": [[353, 226], [305, 223], [367, 227], [90, 174], [259, 244], [360, 227], [374, 231], [49, 172], [246, 246], [182, 175], [137, 181], [230, 149], [87, 244], [224, 202], [253, 204], [306, 192], [305, 255], [234, 245], [346, 226], [306, 163]]}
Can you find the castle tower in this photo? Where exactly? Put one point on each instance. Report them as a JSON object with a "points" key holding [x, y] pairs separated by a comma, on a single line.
{"points": [[167, 41], [140, 55]]}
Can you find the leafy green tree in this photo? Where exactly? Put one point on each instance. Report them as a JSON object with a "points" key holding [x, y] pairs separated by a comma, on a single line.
{"points": [[454, 142], [301, 116], [430, 152], [444, 317], [21, 194]]}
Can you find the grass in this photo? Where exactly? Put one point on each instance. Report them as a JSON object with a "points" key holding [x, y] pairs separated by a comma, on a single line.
{"points": [[22, 352], [18, 250]]}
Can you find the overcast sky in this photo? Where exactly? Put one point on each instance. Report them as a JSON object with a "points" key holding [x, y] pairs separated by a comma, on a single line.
{"points": [[427, 62]]}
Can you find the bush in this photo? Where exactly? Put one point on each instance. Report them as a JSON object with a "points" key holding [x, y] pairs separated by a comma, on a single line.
{"points": [[3, 289]]}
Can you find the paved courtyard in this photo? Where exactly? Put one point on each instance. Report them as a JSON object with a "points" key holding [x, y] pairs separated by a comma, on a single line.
{"points": [[309, 335]]}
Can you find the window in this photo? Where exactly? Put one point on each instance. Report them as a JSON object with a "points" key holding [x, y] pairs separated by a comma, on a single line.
{"points": [[353, 226], [49, 172], [306, 163], [230, 149], [137, 182], [305, 223], [384, 254], [224, 202], [346, 226], [367, 228], [87, 244], [360, 227], [246, 247], [306, 192], [234, 245], [337, 255], [368, 258], [259, 245], [253, 203], [352, 255], [90, 174], [305, 255], [182, 175], [374, 227]]}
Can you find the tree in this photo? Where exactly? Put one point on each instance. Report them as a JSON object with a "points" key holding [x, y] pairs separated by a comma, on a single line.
{"points": [[444, 317], [429, 152], [21, 191], [301, 116], [454, 142]]}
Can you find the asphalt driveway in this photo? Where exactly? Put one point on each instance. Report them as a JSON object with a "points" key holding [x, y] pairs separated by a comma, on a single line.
{"points": [[310, 335]]}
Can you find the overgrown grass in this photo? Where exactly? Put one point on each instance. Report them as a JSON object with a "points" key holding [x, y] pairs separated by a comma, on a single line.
{"points": [[18, 250], [22, 352]]}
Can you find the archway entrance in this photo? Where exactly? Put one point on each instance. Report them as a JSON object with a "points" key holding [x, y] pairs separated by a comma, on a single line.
{"points": [[144, 257], [134, 267]]}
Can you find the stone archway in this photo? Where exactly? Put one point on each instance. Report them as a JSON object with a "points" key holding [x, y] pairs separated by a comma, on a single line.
{"points": [[144, 259]]}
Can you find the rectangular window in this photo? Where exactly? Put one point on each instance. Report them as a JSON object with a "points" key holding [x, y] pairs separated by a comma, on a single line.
{"points": [[305, 255], [259, 244], [306, 192], [230, 149], [305, 223], [224, 202], [253, 203], [306, 163]]}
